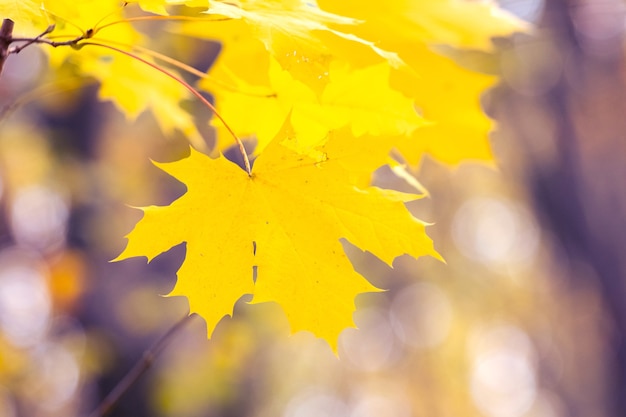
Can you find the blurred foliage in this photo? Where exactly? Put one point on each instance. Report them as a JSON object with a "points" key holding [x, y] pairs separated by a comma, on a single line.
{"points": [[506, 328]]}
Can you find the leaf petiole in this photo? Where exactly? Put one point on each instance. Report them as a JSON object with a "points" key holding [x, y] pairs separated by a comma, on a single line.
{"points": [[187, 68], [6, 40], [173, 18], [193, 91]]}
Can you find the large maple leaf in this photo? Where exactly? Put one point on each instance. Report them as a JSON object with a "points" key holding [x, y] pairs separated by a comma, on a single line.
{"points": [[285, 220]]}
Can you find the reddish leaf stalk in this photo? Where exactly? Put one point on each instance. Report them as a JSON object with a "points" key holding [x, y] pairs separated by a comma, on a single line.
{"points": [[188, 68], [172, 18], [195, 92], [6, 39]]}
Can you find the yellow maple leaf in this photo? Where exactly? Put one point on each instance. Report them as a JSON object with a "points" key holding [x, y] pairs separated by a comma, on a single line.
{"points": [[295, 33], [285, 220], [445, 93], [448, 96], [459, 23], [160, 6], [302, 83], [27, 15], [361, 99], [73, 18], [127, 82], [130, 84], [153, 6], [285, 51]]}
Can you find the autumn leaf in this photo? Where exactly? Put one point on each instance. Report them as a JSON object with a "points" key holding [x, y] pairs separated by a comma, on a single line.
{"points": [[459, 23], [27, 15], [286, 221], [328, 66], [307, 57], [285, 25], [127, 82], [160, 6], [153, 6], [446, 94], [301, 65], [130, 85], [361, 99], [449, 96]]}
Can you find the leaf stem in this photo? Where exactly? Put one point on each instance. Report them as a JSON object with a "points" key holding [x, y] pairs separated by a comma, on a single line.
{"points": [[97, 27], [139, 369], [172, 18], [6, 40], [195, 92], [188, 68]]}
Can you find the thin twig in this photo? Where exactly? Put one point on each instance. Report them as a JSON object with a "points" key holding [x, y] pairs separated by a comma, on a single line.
{"points": [[75, 43], [55, 44], [188, 68], [139, 369], [17, 49], [45, 90], [6, 40]]}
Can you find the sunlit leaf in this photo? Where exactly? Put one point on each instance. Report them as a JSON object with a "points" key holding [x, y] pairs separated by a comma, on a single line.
{"points": [[459, 23], [286, 220], [130, 84], [27, 15]]}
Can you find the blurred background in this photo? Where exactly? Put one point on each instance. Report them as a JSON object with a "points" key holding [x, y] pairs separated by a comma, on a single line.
{"points": [[527, 319]]}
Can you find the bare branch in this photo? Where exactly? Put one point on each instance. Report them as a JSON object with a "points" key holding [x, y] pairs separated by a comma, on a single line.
{"points": [[6, 36], [37, 39], [139, 369]]}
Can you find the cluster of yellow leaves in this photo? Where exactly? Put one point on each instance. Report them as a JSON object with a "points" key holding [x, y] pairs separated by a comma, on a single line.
{"points": [[447, 94], [377, 58], [126, 82], [327, 91]]}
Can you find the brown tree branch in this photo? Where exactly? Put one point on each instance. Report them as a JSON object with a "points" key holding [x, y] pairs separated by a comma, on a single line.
{"points": [[139, 369], [6, 37]]}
